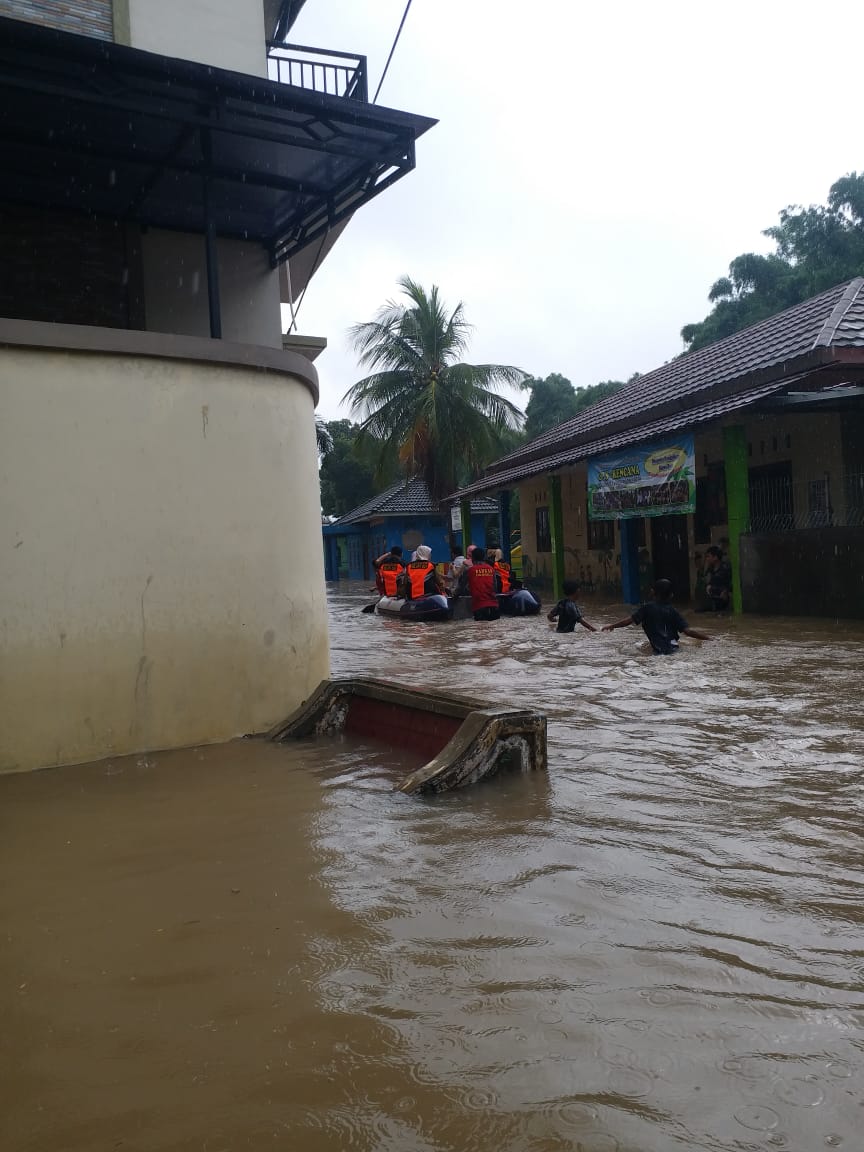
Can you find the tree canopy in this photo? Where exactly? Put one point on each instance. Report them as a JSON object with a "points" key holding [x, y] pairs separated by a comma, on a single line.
{"points": [[348, 474], [555, 400], [443, 418], [815, 248]]}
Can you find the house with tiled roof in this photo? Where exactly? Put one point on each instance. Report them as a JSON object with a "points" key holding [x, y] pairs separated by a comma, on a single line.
{"points": [[770, 422], [403, 514]]}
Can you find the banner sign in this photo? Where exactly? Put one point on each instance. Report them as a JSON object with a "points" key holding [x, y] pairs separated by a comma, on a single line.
{"points": [[648, 480]]}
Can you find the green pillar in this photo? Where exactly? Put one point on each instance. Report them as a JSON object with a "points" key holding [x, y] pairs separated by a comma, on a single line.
{"points": [[465, 509], [737, 501], [556, 525]]}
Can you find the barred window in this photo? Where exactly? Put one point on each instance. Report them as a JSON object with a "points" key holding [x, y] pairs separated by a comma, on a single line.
{"points": [[601, 535]]}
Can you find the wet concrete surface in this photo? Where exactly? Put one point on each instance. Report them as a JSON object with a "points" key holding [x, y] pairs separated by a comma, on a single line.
{"points": [[657, 945]]}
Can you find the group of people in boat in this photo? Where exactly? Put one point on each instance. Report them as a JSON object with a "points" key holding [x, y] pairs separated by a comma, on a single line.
{"points": [[486, 576], [482, 575]]}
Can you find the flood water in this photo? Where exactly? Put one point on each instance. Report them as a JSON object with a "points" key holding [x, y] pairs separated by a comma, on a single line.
{"points": [[659, 945]]}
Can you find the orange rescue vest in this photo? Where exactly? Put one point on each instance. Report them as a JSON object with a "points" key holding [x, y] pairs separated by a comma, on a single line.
{"points": [[390, 571], [503, 571], [418, 570]]}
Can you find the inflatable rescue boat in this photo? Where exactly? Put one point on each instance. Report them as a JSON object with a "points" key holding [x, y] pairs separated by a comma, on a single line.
{"points": [[429, 608], [520, 602]]}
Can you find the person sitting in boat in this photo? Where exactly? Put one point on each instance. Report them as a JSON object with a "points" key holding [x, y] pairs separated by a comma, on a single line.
{"points": [[390, 572], [479, 581], [457, 563], [502, 571], [421, 576]]}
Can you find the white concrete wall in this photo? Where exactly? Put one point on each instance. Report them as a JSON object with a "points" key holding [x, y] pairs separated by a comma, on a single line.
{"points": [[162, 580], [175, 288], [224, 33]]}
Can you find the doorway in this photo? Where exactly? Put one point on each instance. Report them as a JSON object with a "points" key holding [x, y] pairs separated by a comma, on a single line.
{"points": [[670, 555]]}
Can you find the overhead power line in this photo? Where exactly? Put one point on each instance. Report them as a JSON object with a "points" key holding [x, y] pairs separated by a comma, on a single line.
{"points": [[392, 50], [296, 309]]}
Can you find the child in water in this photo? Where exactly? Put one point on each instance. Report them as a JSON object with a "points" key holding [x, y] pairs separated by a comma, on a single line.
{"points": [[660, 621], [568, 612]]}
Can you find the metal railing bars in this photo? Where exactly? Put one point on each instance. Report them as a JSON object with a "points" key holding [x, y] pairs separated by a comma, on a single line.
{"points": [[311, 69]]}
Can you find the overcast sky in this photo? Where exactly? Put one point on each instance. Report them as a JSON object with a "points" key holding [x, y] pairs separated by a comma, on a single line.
{"points": [[594, 169]]}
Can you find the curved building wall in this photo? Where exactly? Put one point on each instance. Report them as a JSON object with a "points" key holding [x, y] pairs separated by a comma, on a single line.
{"points": [[162, 582]]}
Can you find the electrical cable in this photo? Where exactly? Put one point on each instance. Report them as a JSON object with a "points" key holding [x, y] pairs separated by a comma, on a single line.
{"points": [[392, 50], [296, 309], [314, 269]]}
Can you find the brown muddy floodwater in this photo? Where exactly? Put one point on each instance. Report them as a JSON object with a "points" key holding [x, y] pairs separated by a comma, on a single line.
{"points": [[657, 946]]}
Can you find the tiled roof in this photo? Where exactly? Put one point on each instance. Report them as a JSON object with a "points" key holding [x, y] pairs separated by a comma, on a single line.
{"points": [[408, 499], [692, 418], [777, 350]]}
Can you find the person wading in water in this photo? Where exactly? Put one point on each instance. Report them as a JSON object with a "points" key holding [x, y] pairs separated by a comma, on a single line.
{"points": [[567, 612], [660, 621]]}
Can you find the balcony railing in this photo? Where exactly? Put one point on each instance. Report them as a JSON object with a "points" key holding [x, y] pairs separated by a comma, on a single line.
{"points": [[318, 70]]}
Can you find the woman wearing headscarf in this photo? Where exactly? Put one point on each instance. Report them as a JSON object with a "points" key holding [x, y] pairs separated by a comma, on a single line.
{"points": [[421, 578]]}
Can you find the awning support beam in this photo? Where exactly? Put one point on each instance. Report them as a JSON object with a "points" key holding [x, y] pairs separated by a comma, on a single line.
{"points": [[210, 244]]}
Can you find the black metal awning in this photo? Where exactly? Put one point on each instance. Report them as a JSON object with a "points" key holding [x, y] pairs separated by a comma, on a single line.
{"points": [[114, 131]]}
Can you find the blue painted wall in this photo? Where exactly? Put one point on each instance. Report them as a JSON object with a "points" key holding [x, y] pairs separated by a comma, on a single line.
{"points": [[350, 549]]}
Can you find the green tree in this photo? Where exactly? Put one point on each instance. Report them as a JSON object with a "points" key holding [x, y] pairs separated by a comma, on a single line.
{"points": [[555, 400], [348, 475], [323, 439], [442, 417], [816, 248], [592, 393]]}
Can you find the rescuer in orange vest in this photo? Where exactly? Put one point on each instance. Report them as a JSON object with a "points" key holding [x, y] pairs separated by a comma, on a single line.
{"points": [[389, 572], [502, 570], [421, 578], [480, 581]]}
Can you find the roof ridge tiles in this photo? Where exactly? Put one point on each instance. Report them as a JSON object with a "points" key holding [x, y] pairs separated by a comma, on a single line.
{"points": [[405, 498], [829, 329]]}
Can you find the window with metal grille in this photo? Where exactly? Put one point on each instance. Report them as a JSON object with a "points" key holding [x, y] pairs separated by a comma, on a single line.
{"points": [[601, 535], [772, 503]]}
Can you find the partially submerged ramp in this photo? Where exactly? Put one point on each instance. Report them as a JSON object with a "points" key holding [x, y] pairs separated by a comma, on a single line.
{"points": [[466, 740]]}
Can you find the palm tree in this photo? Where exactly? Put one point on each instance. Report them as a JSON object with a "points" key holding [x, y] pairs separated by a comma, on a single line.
{"points": [[323, 438], [443, 418]]}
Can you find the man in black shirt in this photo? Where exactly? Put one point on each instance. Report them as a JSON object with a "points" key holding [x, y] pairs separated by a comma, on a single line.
{"points": [[661, 622]]}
